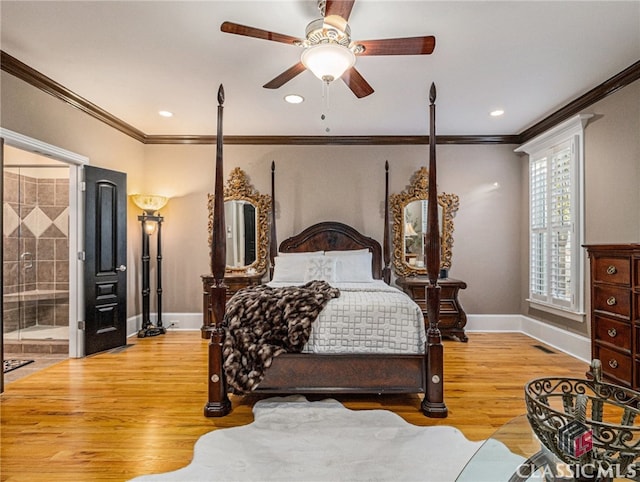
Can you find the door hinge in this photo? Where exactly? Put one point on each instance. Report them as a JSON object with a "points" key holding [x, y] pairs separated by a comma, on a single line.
{"points": [[83, 186], [81, 325], [81, 255]]}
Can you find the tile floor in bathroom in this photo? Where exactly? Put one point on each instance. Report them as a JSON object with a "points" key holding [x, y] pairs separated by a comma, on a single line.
{"points": [[40, 361]]}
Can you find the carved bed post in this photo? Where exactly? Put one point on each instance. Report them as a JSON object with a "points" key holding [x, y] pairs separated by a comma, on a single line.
{"points": [[273, 247], [218, 404], [433, 403], [386, 247]]}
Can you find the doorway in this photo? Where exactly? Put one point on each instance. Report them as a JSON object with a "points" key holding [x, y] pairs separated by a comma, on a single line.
{"points": [[42, 293], [36, 254]]}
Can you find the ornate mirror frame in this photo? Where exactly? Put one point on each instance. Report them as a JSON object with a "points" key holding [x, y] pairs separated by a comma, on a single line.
{"points": [[418, 190], [239, 188]]}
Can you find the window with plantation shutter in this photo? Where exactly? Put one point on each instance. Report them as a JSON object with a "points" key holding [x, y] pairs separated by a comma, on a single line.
{"points": [[556, 262], [562, 213], [538, 226]]}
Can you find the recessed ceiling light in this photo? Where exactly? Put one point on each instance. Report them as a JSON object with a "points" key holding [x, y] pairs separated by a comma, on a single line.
{"points": [[496, 113], [165, 113], [294, 98]]}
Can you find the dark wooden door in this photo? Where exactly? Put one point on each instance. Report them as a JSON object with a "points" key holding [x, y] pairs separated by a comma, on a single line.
{"points": [[105, 279]]}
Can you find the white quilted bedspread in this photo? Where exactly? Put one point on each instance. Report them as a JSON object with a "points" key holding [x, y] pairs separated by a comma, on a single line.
{"points": [[367, 318]]}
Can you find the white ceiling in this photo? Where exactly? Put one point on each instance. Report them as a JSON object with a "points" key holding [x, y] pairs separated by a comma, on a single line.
{"points": [[133, 58]]}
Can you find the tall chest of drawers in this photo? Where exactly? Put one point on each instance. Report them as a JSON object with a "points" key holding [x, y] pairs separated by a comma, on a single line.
{"points": [[615, 311]]}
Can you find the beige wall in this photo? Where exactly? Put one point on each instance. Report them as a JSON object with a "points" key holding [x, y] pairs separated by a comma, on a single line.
{"points": [[612, 170], [612, 185], [346, 183], [33, 113]]}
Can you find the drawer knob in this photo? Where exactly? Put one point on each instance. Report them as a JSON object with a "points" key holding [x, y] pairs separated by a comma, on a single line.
{"points": [[612, 270], [613, 363], [612, 332], [611, 300]]}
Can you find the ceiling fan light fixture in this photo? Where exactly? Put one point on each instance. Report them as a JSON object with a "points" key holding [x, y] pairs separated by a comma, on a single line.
{"points": [[328, 61]]}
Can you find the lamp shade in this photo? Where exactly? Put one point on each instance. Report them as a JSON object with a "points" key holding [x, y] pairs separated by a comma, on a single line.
{"points": [[149, 203], [409, 231], [328, 61]]}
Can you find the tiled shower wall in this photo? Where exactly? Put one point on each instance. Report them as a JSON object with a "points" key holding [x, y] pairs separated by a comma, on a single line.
{"points": [[36, 220]]}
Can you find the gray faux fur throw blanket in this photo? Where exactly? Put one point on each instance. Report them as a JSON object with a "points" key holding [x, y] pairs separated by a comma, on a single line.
{"points": [[262, 322]]}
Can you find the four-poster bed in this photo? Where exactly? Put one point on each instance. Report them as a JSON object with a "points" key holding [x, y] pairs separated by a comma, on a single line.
{"points": [[343, 372]]}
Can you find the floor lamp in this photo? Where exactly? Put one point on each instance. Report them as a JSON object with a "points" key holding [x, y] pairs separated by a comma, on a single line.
{"points": [[151, 223]]}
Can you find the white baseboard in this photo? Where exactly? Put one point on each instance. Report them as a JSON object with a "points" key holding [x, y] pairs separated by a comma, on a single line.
{"points": [[133, 325], [171, 321], [565, 341], [570, 343]]}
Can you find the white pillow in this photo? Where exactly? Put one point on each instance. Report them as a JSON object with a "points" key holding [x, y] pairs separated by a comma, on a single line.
{"points": [[353, 267], [303, 253], [320, 268], [290, 269], [347, 252]]}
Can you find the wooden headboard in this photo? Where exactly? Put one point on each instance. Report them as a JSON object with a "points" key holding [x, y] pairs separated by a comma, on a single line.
{"points": [[334, 236]]}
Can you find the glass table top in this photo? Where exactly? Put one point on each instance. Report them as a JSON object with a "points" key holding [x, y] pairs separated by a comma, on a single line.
{"points": [[504, 454], [514, 454]]}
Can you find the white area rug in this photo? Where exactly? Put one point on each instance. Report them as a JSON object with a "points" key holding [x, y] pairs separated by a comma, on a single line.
{"points": [[293, 439]]}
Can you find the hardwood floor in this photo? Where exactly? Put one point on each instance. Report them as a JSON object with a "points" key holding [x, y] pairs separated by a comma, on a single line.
{"points": [[139, 410]]}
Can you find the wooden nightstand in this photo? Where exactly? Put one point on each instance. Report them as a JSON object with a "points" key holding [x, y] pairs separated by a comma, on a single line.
{"points": [[452, 317], [234, 282]]}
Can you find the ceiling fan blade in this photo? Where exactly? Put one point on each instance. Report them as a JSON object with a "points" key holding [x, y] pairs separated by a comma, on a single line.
{"points": [[355, 81], [285, 76], [399, 46], [237, 29], [339, 7]]}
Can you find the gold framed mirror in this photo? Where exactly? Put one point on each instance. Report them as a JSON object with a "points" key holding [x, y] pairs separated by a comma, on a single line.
{"points": [[246, 214], [409, 213]]}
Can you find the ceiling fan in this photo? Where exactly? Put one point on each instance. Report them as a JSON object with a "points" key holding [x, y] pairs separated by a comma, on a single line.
{"points": [[329, 51]]}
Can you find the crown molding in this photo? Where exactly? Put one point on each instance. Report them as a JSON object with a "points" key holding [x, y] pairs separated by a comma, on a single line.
{"points": [[13, 66], [22, 71], [608, 87], [332, 140]]}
